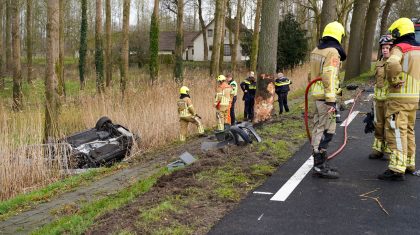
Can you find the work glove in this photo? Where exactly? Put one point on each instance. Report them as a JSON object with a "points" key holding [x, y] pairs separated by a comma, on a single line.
{"points": [[369, 120]]}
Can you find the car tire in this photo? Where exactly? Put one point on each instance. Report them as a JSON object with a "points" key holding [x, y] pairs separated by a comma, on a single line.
{"points": [[102, 123]]}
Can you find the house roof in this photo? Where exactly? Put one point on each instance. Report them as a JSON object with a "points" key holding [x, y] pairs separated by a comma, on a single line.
{"points": [[230, 24], [167, 40]]}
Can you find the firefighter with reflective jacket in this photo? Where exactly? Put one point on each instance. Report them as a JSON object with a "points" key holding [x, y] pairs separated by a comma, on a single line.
{"points": [[403, 74], [282, 84], [234, 86], [222, 102], [249, 87], [187, 113], [379, 147], [325, 63]]}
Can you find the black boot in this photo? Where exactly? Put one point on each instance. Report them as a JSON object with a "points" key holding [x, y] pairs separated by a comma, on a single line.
{"points": [[391, 176], [376, 155], [321, 169], [326, 163]]}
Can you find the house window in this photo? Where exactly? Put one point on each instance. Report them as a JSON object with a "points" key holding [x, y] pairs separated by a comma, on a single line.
{"points": [[192, 52], [209, 33], [210, 47], [226, 50]]}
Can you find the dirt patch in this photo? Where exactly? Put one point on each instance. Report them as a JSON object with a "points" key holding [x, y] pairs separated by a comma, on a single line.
{"points": [[193, 199]]}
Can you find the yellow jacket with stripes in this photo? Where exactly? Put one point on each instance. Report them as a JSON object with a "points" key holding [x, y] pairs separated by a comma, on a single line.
{"points": [[381, 84], [185, 108], [403, 75], [325, 63]]}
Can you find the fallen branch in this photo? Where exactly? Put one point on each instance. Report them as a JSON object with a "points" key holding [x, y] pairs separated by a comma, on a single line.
{"points": [[365, 197]]}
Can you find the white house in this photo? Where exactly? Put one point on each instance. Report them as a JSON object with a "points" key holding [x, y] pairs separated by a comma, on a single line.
{"points": [[194, 43]]}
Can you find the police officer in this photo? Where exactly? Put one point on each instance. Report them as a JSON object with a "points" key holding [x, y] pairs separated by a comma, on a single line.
{"points": [[234, 86], [282, 89], [222, 102], [249, 87], [379, 147], [187, 113], [403, 74], [325, 64]]}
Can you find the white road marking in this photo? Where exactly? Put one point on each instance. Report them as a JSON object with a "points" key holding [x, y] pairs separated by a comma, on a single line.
{"points": [[264, 193], [294, 181], [259, 218], [350, 118]]}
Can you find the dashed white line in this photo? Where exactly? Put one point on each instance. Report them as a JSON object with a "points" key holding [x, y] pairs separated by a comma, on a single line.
{"points": [[350, 118], [294, 181], [264, 193], [259, 218]]}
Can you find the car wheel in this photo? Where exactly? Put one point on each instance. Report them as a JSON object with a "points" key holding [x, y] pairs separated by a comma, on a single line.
{"points": [[102, 123]]}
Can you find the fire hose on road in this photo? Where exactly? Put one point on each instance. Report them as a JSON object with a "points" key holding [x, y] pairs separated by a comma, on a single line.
{"points": [[308, 133]]}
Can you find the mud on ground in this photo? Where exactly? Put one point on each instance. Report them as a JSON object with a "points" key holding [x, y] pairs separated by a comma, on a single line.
{"points": [[193, 199]]}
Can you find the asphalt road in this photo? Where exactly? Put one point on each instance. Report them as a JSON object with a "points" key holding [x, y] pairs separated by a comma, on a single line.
{"points": [[323, 206]]}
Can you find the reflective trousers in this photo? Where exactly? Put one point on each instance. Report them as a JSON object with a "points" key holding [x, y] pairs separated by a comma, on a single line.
{"points": [[379, 143], [184, 126], [399, 133], [324, 126]]}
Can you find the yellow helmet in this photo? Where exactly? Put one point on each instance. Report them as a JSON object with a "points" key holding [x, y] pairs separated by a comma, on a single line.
{"points": [[334, 30], [184, 90], [401, 27], [221, 78]]}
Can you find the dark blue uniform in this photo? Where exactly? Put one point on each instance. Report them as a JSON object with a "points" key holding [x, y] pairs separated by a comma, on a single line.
{"points": [[249, 87], [282, 89]]}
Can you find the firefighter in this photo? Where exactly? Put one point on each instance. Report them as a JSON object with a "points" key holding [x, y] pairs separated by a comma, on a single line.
{"points": [[249, 87], [187, 114], [234, 86], [379, 147], [325, 63], [403, 74], [222, 102], [282, 84]]}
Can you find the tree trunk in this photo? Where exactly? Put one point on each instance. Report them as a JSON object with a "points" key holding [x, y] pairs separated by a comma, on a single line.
{"points": [[203, 30], [154, 44], [29, 40], [125, 45], [328, 13], [355, 44], [223, 36], [108, 61], [369, 35], [17, 72], [2, 7], [256, 37], [217, 36], [8, 37], [99, 53], [267, 60], [52, 102], [236, 37], [60, 73], [83, 44], [179, 43]]}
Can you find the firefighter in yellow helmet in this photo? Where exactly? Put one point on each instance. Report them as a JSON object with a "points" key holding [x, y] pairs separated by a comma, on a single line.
{"points": [[222, 102], [403, 74], [380, 147], [325, 64], [187, 113]]}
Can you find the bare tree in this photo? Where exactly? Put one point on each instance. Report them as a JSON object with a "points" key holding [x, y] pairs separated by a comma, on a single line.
{"points": [[256, 37], [154, 43], [203, 30], [355, 44], [83, 43], [99, 53], [108, 64], [179, 43], [17, 71], [8, 36], [371, 19], [125, 45], [223, 35], [267, 60], [328, 13], [215, 55], [60, 73], [52, 102], [236, 36], [2, 7]]}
